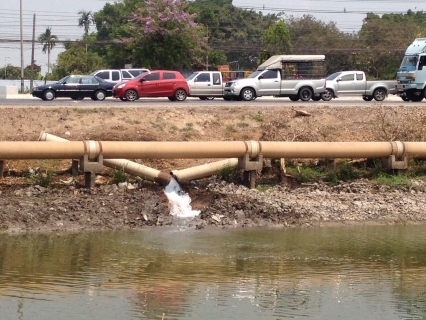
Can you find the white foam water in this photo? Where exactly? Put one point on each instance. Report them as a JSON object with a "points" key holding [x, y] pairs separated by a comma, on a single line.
{"points": [[179, 201]]}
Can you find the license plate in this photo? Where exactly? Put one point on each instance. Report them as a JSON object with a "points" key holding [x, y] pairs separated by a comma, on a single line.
{"points": [[400, 86]]}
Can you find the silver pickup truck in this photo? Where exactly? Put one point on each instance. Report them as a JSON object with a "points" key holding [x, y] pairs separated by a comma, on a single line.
{"points": [[205, 84], [354, 83], [280, 76]]}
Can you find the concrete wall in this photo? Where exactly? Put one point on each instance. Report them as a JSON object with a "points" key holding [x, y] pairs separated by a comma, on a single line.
{"points": [[7, 91]]}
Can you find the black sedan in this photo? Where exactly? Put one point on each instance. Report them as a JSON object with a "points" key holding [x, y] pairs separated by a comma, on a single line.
{"points": [[75, 87]]}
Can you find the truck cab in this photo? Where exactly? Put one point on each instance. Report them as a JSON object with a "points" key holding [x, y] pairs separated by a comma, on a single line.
{"points": [[205, 84], [411, 76]]}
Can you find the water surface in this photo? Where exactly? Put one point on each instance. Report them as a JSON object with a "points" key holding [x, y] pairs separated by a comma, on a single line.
{"points": [[362, 272]]}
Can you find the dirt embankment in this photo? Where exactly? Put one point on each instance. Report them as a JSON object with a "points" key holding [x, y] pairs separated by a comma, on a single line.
{"points": [[26, 206]]}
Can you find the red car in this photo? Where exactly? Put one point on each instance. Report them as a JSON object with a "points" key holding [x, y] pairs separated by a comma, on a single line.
{"points": [[157, 83]]}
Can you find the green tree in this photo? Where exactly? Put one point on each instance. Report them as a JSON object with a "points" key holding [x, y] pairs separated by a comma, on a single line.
{"points": [[236, 32], [276, 40], [312, 36], [75, 60], [112, 24], [48, 40], [165, 35], [384, 41]]}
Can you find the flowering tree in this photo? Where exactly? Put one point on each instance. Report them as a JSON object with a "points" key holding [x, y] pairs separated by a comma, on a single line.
{"points": [[165, 36]]}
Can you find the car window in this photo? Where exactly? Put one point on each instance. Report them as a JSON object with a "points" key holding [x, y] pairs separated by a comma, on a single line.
{"points": [[103, 74], [152, 76], [115, 75], [348, 77], [73, 79], [360, 76], [270, 74], [216, 79], [88, 80], [126, 75], [203, 77], [168, 75]]}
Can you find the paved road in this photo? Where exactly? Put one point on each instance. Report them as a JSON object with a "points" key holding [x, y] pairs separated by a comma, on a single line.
{"points": [[27, 101]]}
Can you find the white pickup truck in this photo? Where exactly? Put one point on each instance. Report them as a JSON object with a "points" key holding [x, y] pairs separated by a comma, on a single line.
{"points": [[292, 76], [354, 83]]}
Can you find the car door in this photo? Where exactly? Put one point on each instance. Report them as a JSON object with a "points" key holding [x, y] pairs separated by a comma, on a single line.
{"points": [[269, 83], [149, 85], [88, 86], [202, 84], [346, 84], [70, 87], [169, 84]]}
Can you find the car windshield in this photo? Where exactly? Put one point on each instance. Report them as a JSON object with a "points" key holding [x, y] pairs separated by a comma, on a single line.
{"points": [[333, 76], [255, 74], [63, 79], [409, 63]]}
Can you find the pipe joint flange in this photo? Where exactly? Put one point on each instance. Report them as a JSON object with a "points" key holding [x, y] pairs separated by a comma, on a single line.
{"points": [[254, 148], [398, 149]]}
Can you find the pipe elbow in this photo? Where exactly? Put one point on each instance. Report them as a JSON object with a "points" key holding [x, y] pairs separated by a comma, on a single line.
{"points": [[163, 178]]}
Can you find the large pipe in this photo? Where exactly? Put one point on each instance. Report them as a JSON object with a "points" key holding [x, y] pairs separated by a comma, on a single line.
{"points": [[203, 170], [205, 149], [162, 178], [136, 169]]}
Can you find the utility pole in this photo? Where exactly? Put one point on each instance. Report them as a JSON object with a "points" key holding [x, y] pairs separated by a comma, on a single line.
{"points": [[32, 54], [22, 49]]}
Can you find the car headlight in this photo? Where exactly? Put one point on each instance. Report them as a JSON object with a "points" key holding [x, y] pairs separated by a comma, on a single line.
{"points": [[234, 84], [121, 86], [36, 89]]}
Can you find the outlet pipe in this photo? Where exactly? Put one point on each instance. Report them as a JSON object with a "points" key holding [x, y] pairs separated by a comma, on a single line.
{"points": [[154, 175], [133, 168], [203, 170]]}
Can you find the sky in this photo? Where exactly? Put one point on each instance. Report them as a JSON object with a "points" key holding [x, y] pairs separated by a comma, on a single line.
{"points": [[62, 16]]}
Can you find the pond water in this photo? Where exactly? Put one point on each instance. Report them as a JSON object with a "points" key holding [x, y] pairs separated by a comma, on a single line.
{"points": [[362, 272]]}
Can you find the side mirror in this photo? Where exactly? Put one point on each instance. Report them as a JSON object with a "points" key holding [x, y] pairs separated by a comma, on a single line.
{"points": [[339, 79], [260, 77]]}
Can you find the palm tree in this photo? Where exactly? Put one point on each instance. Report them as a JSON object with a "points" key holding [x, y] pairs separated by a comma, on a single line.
{"points": [[48, 40], [85, 20]]}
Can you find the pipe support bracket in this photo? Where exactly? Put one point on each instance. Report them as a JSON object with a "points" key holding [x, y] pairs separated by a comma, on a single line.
{"points": [[91, 166], [246, 164]]}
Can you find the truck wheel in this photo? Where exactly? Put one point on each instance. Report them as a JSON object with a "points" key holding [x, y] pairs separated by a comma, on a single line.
{"points": [[247, 94], [411, 95], [379, 94], [405, 98], [367, 98], [327, 95], [305, 94], [131, 95], [294, 98]]}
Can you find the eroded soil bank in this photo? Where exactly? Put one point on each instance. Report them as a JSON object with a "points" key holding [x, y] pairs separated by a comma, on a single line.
{"points": [[27, 207], [222, 204]]}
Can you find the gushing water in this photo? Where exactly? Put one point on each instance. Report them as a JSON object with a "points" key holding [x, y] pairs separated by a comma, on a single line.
{"points": [[179, 201]]}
